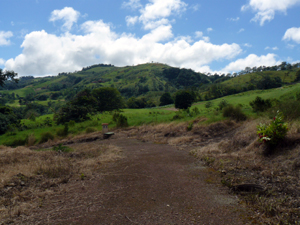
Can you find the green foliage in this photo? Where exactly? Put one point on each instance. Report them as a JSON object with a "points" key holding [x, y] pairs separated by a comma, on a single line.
{"points": [[274, 132], [268, 82], [7, 75], [166, 99], [7, 119], [297, 79], [61, 149], [90, 130], [72, 112], [107, 99], [120, 119], [63, 132], [46, 136], [260, 105], [72, 123], [222, 104], [190, 126], [183, 99], [234, 113], [290, 109], [208, 104]]}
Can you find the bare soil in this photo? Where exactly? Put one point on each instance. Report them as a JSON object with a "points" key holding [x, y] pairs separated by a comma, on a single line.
{"points": [[151, 184]]}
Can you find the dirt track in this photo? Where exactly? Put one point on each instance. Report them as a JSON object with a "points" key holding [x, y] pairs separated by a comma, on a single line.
{"points": [[152, 184]]}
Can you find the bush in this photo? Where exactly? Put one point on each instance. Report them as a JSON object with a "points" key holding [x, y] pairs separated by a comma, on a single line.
{"points": [[121, 120], [274, 132], [166, 99], [46, 136], [90, 130], [208, 104], [222, 104], [63, 132], [234, 113], [290, 109], [260, 105]]}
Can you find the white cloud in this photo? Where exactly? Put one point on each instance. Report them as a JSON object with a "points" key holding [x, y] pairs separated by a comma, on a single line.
{"points": [[199, 34], [4, 36], [234, 19], [266, 9], [247, 45], [292, 34], [45, 53], [157, 11], [2, 61], [67, 14], [251, 61], [133, 4], [241, 30], [273, 48], [209, 29], [195, 7], [131, 20], [206, 39]]}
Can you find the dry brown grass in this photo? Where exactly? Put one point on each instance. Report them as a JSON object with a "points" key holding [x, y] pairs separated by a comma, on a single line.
{"points": [[240, 159], [28, 177]]}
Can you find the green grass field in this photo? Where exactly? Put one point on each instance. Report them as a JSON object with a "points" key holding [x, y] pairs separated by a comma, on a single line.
{"points": [[137, 117]]}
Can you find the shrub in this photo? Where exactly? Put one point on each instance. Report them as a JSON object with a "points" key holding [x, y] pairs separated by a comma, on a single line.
{"points": [[72, 123], [260, 105], [290, 109], [190, 126], [222, 104], [63, 132], [234, 112], [121, 120], [274, 132], [46, 136], [90, 130], [208, 104]]}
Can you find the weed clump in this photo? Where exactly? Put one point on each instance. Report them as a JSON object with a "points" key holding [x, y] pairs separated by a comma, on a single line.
{"points": [[46, 136], [234, 113]]}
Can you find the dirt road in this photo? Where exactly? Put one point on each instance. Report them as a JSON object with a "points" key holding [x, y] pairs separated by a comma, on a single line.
{"points": [[152, 184]]}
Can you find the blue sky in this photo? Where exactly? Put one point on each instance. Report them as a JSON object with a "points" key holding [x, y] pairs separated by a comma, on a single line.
{"points": [[45, 37]]}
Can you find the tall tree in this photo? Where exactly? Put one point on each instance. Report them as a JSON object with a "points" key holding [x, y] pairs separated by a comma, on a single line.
{"points": [[7, 75]]}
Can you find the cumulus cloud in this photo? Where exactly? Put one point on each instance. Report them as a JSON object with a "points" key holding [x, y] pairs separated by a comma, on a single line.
{"points": [[251, 61], [199, 34], [4, 36], [266, 9], [157, 11], [292, 34], [45, 53], [67, 14]]}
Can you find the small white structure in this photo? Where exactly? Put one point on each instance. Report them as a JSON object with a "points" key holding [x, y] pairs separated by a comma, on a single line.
{"points": [[104, 128]]}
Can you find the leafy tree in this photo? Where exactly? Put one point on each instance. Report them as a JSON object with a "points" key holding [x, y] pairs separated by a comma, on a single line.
{"points": [[183, 99], [7, 119], [71, 112], [107, 98], [7, 75], [166, 99]]}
